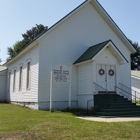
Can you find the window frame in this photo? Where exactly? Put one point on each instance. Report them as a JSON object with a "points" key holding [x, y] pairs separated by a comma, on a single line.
{"points": [[9, 80], [28, 77], [20, 77], [14, 80]]}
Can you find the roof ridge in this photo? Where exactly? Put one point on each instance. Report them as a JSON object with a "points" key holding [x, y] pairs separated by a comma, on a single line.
{"points": [[90, 55], [101, 43], [94, 50]]}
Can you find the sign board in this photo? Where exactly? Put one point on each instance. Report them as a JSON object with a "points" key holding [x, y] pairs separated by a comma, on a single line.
{"points": [[61, 73]]}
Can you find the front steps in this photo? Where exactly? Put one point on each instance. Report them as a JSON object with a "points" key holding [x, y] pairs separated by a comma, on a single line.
{"points": [[113, 105]]}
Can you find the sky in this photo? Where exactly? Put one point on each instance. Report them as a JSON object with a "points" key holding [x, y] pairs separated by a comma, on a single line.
{"points": [[17, 16]]}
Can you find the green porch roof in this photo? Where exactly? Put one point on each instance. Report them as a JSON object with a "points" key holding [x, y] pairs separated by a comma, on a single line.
{"points": [[91, 52], [135, 73]]}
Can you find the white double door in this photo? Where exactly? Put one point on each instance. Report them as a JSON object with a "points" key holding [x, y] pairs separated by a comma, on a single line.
{"points": [[106, 80]]}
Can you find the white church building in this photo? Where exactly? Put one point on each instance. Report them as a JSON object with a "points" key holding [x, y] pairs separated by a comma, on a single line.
{"points": [[88, 42]]}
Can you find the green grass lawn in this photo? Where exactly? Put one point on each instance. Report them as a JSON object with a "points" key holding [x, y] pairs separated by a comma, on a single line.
{"points": [[19, 123]]}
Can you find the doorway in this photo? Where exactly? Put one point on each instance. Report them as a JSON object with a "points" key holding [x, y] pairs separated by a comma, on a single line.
{"points": [[106, 76]]}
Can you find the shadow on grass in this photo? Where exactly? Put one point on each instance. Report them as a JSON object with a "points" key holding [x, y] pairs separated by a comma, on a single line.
{"points": [[76, 112], [82, 112], [3, 102]]}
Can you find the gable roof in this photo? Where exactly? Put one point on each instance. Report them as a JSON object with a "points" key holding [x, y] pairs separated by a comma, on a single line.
{"points": [[135, 73], [102, 12], [2, 68], [92, 51]]}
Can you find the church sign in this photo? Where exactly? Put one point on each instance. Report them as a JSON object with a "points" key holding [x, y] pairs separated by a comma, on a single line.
{"points": [[61, 73]]}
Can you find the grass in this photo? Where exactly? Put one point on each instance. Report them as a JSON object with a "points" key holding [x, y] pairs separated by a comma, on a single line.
{"points": [[19, 123], [138, 102]]}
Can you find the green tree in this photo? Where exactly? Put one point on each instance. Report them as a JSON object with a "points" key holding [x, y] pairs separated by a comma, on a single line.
{"points": [[135, 57], [31, 34], [12, 51], [28, 37]]}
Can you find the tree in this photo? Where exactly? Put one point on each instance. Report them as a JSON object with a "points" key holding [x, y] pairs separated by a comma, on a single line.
{"points": [[28, 37], [135, 57], [31, 34], [12, 51]]}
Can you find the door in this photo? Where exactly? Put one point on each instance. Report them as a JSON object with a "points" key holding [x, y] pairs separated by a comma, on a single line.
{"points": [[106, 77]]}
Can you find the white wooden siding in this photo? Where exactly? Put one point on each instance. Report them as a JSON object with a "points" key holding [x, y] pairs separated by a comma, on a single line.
{"points": [[85, 85], [3, 85], [24, 95], [125, 74], [106, 57], [85, 79], [60, 90], [68, 41]]}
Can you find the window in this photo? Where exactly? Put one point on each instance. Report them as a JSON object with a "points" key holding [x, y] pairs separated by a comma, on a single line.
{"points": [[14, 80], [9, 81], [28, 75], [20, 78]]}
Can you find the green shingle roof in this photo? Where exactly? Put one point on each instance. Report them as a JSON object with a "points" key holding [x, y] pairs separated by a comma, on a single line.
{"points": [[91, 52]]}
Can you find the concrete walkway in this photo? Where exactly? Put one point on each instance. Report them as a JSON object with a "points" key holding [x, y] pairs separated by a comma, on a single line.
{"points": [[120, 119]]}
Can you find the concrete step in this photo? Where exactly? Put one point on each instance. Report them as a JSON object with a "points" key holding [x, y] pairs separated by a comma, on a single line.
{"points": [[101, 116], [122, 104], [107, 97], [118, 113], [121, 109], [113, 101], [115, 105]]}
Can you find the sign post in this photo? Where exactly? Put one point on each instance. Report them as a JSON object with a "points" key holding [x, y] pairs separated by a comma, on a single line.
{"points": [[51, 82], [70, 88]]}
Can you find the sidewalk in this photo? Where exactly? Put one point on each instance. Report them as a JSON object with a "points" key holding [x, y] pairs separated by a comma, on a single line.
{"points": [[119, 119]]}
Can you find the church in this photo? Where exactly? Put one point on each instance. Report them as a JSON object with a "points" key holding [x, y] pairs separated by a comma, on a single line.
{"points": [[88, 42]]}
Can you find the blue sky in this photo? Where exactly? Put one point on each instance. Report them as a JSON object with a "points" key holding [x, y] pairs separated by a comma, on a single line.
{"points": [[17, 16]]}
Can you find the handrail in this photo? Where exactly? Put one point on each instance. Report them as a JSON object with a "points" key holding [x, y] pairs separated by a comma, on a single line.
{"points": [[100, 87], [88, 104], [126, 92], [137, 94], [95, 94], [129, 88], [124, 85]]}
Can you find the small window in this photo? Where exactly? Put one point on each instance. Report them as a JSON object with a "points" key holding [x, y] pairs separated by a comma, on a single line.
{"points": [[20, 78], [9, 79], [28, 75], [14, 80]]}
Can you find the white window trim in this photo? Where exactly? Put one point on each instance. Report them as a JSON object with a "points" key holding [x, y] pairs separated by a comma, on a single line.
{"points": [[29, 60], [9, 80], [14, 80], [28, 78], [20, 77], [21, 64]]}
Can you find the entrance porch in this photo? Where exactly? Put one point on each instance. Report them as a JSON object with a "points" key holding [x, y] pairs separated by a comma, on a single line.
{"points": [[99, 65]]}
